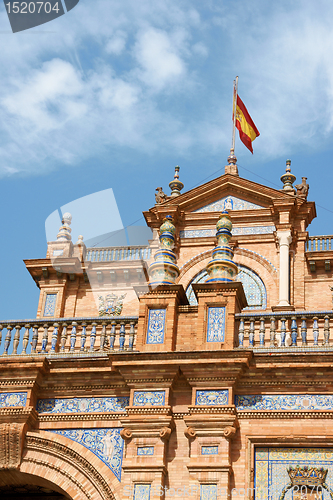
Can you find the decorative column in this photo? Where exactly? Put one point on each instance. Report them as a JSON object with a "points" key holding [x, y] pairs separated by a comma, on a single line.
{"points": [[284, 239], [164, 271], [222, 268]]}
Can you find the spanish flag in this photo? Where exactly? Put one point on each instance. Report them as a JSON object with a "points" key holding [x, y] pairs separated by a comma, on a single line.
{"points": [[244, 123]]}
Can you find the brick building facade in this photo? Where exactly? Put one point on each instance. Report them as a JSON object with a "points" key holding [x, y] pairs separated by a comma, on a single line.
{"points": [[182, 369]]}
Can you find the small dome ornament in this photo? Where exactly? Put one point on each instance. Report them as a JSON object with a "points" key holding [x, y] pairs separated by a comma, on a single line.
{"points": [[65, 230], [288, 179], [222, 269], [176, 185], [164, 271]]}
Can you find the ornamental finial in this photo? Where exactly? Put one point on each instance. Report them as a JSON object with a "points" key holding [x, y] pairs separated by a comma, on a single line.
{"points": [[222, 268], [65, 230], [164, 271], [176, 185], [288, 179]]}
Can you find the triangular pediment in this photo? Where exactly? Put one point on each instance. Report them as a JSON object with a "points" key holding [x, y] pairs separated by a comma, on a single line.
{"points": [[229, 203]]}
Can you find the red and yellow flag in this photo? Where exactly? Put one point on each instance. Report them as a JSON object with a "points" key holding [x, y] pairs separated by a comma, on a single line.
{"points": [[244, 123]]}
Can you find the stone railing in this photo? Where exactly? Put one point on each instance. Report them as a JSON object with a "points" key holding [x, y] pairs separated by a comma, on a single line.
{"points": [[67, 336], [301, 330], [319, 243], [108, 254]]}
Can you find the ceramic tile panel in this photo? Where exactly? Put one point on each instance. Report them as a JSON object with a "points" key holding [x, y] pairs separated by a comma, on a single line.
{"points": [[209, 450], [266, 402], [215, 324], [271, 471], [141, 492], [13, 399], [229, 203], [82, 405], [145, 450], [208, 492], [212, 397], [50, 304], [156, 325], [149, 398], [106, 444]]}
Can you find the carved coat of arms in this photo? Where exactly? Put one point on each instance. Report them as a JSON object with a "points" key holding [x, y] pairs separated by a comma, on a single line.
{"points": [[110, 304]]}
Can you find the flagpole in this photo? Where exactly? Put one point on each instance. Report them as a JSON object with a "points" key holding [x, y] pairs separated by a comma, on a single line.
{"points": [[232, 149]]}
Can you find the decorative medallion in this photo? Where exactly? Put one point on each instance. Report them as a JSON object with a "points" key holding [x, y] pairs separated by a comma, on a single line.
{"points": [[110, 304]]}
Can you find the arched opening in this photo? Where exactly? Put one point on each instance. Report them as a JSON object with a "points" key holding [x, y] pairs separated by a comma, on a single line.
{"points": [[254, 288], [16, 485]]}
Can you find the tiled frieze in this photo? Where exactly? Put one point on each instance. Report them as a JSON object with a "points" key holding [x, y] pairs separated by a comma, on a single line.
{"points": [[82, 405], [208, 492], [228, 203], [141, 492], [106, 444], [211, 397], [149, 398], [50, 304], [284, 402], [209, 450], [12, 399], [215, 324], [156, 326], [145, 450], [236, 231], [271, 471]]}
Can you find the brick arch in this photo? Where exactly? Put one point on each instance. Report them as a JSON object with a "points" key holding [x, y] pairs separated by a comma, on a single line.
{"points": [[76, 470], [259, 264]]}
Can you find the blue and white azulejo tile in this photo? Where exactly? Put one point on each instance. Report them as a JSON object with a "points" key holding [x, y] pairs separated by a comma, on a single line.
{"points": [[156, 326], [216, 324], [83, 405], [268, 402], [145, 450], [149, 398], [212, 397], [13, 399]]}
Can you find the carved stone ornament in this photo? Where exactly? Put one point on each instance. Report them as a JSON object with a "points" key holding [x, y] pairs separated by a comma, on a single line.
{"points": [[165, 433], [160, 197], [190, 433], [229, 432], [302, 189], [11, 445], [126, 434]]}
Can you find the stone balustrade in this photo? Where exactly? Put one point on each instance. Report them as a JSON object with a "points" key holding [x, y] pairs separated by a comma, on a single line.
{"points": [[109, 254], [301, 330], [67, 336], [319, 244]]}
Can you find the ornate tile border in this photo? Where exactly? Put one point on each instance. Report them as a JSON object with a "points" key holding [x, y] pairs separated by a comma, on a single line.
{"points": [[215, 324], [13, 399], [82, 405], [211, 397], [275, 402], [156, 326], [106, 444], [149, 398], [236, 231], [209, 450], [145, 450]]}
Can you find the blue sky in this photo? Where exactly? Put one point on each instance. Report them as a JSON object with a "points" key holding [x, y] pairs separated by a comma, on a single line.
{"points": [[114, 94]]}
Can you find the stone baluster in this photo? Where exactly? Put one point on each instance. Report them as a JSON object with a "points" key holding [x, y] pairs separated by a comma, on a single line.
{"points": [[54, 339], [283, 332], [112, 335], [8, 339], [262, 332], [103, 337], [34, 340], [16, 338], [131, 337], [241, 333], [251, 333], [315, 331], [122, 337], [26, 338], [293, 331], [63, 337], [272, 332], [73, 337], [83, 337], [92, 337], [326, 330], [303, 331], [45, 338]]}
